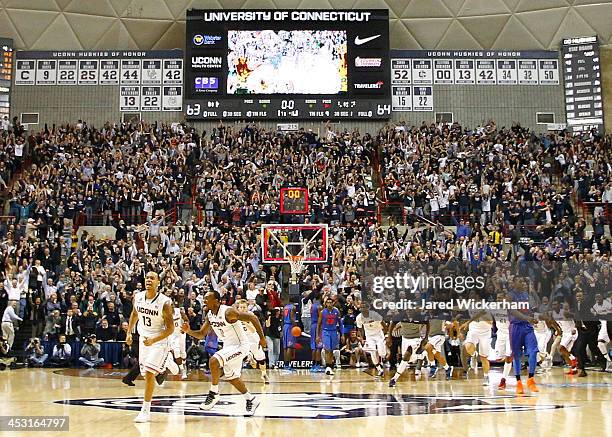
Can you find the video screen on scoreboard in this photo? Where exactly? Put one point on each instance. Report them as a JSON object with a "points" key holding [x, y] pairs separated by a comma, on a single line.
{"points": [[287, 62]]}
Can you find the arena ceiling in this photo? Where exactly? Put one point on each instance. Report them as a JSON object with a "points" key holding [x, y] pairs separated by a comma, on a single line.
{"points": [[428, 24]]}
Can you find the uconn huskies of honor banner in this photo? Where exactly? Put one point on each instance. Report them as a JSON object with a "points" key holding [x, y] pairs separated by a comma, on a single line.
{"points": [[437, 68], [300, 64], [130, 72]]}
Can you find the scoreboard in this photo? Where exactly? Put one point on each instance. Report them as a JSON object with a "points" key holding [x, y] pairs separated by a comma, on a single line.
{"points": [[582, 73], [6, 75], [415, 74], [287, 64]]}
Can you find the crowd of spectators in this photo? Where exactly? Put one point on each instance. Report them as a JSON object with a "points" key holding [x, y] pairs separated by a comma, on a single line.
{"points": [[490, 181]]}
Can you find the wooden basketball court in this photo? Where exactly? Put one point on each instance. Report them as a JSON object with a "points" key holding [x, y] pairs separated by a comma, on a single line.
{"points": [[352, 403]]}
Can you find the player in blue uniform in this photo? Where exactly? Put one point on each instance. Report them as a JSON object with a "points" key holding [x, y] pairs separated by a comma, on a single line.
{"points": [[522, 336], [289, 322], [327, 331], [315, 346]]}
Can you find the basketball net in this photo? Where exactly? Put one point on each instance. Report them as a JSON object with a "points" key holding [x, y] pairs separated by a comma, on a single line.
{"points": [[297, 263]]}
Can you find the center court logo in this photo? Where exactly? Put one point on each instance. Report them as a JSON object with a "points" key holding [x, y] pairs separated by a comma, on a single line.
{"points": [[207, 40], [322, 406]]}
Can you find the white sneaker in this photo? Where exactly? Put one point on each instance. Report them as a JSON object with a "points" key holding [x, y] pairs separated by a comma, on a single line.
{"points": [[329, 371], [485, 381], [143, 417], [184, 374], [211, 399], [609, 366], [251, 406]]}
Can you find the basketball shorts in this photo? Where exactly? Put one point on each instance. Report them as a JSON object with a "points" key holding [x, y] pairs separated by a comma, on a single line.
{"points": [[413, 343], [437, 341], [502, 345], [604, 334], [331, 340], [153, 358], [288, 338], [178, 343], [482, 339], [568, 339], [314, 345], [522, 336], [255, 348], [376, 344], [543, 339], [231, 358]]}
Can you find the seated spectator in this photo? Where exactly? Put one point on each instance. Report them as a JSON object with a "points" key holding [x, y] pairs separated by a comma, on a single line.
{"points": [[90, 351], [62, 353], [105, 332], [36, 353]]}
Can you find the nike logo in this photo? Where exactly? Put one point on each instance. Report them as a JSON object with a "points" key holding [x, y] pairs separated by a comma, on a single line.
{"points": [[359, 41]]}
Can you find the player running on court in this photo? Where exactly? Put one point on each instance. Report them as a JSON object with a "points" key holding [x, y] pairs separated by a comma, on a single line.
{"points": [[255, 348], [372, 328], [153, 311], [227, 324]]}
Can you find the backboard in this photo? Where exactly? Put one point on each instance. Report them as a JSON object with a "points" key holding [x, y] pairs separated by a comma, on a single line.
{"points": [[279, 242]]}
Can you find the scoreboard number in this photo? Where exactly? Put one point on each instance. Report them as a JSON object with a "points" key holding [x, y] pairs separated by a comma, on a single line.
{"points": [[464, 72], [173, 71], [548, 72], [88, 72], [506, 72], [130, 71], [485, 72], [46, 73], [67, 72], [443, 72], [129, 98], [527, 72], [25, 72], [401, 98], [150, 98], [109, 72], [422, 98], [401, 73]]}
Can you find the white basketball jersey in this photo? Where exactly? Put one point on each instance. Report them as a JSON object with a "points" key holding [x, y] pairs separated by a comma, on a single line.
{"points": [[150, 314], [501, 320], [231, 334], [566, 325], [372, 324], [178, 321], [541, 327]]}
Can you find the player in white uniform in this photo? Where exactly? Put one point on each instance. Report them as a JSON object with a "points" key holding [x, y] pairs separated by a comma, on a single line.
{"points": [[153, 311], [479, 334], [603, 308], [256, 351], [372, 328], [502, 344], [543, 334], [435, 347], [569, 334], [178, 340], [227, 324]]}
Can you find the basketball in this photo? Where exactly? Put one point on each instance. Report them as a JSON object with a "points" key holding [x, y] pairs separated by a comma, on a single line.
{"points": [[296, 331]]}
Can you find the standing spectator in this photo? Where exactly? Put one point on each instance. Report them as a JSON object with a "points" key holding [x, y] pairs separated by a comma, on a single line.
{"points": [[105, 332], [273, 331], [70, 325], [8, 323], [53, 326]]}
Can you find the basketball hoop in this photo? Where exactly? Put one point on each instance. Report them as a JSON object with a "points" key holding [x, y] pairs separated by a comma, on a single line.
{"points": [[297, 263]]}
